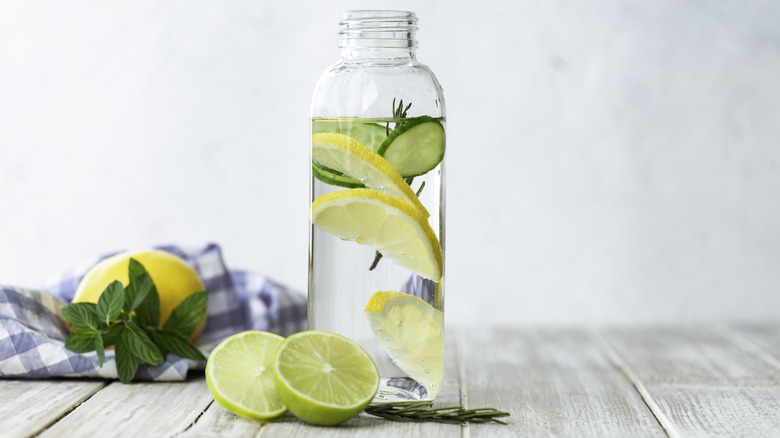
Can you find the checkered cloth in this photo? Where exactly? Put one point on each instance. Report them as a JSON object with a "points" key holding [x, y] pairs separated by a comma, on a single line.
{"points": [[33, 331]]}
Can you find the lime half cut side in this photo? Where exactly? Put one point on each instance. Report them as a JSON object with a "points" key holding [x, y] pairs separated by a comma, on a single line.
{"points": [[349, 157], [324, 378], [239, 374], [412, 332], [392, 226]]}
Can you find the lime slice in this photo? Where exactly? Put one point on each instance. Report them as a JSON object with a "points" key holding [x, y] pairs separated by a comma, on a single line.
{"points": [[346, 155], [370, 135], [239, 374], [329, 176], [324, 378], [392, 226], [416, 147], [412, 332]]}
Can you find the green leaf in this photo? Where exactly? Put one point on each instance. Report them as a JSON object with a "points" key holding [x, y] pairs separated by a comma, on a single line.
{"points": [[81, 340], [101, 351], [174, 342], [139, 344], [109, 305], [148, 313], [139, 286], [82, 315], [188, 313], [111, 334], [126, 362]]}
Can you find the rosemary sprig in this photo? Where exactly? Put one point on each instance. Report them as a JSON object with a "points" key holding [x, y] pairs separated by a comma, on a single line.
{"points": [[422, 411], [399, 113]]}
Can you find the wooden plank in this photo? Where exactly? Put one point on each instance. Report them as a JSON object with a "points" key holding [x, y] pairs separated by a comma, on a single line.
{"points": [[762, 340], [699, 383], [216, 421], [147, 409], [553, 382], [29, 406]]}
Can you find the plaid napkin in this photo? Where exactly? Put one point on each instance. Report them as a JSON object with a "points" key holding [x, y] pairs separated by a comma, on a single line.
{"points": [[33, 331]]}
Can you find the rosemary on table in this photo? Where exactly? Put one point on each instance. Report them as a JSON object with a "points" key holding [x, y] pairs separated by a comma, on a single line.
{"points": [[422, 411]]}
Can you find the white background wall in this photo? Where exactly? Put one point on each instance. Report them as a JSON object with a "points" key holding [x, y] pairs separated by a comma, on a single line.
{"points": [[609, 162]]}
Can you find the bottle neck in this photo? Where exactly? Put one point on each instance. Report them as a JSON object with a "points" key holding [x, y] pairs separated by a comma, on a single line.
{"points": [[378, 35]]}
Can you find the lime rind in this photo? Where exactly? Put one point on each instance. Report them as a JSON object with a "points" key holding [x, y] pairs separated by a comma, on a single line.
{"points": [[239, 375], [324, 378]]}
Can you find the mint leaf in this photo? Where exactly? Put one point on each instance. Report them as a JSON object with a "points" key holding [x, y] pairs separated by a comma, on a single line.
{"points": [[101, 351], [126, 363], [139, 286], [188, 313], [174, 342], [109, 305], [128, 317], [111, 334], [81, 340], [82, 315], [147, 314], [139, 344]]}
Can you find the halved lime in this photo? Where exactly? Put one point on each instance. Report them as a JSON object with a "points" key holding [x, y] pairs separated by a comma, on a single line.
{"points": [[392, 226], [412, 332], [324, 378], [239, 374], [416, 147], [347, 156]]}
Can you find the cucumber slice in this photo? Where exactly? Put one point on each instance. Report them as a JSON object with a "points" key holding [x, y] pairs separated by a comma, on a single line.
{"points": [[334, 178], [370, 135], [416, 147]]}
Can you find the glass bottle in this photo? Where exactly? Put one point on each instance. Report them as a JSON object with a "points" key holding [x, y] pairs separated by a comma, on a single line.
{"points": [[378, 124]]}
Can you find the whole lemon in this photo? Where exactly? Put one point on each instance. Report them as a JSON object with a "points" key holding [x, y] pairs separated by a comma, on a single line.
{"points": [[172, 276]]}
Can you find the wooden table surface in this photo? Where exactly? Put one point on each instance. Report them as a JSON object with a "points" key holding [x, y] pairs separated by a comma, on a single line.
{"points": [[714, 380]]}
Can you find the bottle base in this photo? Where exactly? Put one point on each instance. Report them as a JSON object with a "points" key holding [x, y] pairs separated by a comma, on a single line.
{"points": [[400, 389]]}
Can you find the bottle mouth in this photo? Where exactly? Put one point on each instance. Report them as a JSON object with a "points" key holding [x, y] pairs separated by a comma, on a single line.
{"points": [[377, 29]]}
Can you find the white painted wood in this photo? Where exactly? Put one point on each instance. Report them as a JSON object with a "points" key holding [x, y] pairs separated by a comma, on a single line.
{"points": [[29, 406], [703, 384], [557, 382], [553, 382], [149, 409], [761, 339], [218, 421]]}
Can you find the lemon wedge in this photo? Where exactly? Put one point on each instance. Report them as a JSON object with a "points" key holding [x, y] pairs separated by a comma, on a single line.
{"points": [[349, 157], [412, 332], [392, 226]]}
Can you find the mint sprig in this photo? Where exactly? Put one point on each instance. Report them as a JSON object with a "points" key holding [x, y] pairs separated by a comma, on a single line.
{"points": [[129, 318]]}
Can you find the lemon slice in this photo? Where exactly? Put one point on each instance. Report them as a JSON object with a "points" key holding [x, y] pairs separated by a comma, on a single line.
{"points": [[412, 332], [392, 226], [324, 378], [348, 156], [239, 374]]}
